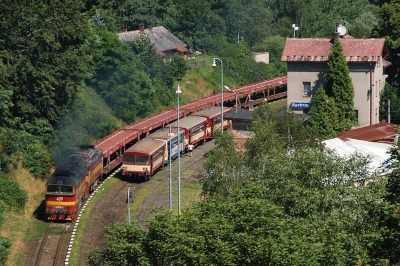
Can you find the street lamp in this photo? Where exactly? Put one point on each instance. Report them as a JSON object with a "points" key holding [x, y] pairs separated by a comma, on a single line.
{"points": [[170, 135], [226, 87], [178, 91], [222, 92]]}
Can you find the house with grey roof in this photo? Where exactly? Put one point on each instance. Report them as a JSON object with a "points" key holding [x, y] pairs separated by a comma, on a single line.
{"points": [[307, 63], [165, 42]]}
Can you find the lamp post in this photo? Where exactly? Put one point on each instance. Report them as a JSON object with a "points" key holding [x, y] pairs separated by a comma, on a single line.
{"points": [[222, 92], [170, 134], [178, 91], [226, 87]]}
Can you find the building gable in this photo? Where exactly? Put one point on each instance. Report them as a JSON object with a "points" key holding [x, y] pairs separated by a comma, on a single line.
{"points": [[160, 37]]}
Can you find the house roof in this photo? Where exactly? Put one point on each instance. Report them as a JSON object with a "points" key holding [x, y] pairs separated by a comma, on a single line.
{"points": [[377, 152], [159, 36], [318, 50], [380, 132]]}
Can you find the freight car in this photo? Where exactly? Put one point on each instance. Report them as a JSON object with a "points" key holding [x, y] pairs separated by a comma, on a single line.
{"points": [[71, 183]]}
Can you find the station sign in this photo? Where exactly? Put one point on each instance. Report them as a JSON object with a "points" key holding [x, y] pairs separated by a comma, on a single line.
{"points": [[298, 105]]}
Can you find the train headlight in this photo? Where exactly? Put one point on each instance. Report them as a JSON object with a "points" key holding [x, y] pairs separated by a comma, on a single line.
{"points": [[124, 167], [145, 169]]}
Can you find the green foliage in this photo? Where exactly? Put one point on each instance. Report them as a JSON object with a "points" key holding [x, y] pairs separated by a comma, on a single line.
{"points": [[391, 93], [20, 145], [324, 117], [5, 245], [274, 45], [338, 84], [248, 20], [12, 196], [126, 247], [46, 50], [178, 66], [224, 161], [88, 119]]}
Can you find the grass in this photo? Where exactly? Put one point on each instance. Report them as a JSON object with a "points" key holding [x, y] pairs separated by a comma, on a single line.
{"points": [[202, 82], [84, 219], [22, 227]]}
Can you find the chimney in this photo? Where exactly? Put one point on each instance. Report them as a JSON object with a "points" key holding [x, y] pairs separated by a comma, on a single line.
{"points": [[150, 26], [124, 29], [141, 27], [396, 138]]}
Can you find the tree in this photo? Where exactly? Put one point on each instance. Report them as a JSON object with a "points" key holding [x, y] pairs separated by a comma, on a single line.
{"points": [[324, 117], [46, 48], [391, 93], [338, 84], [387, 247]]}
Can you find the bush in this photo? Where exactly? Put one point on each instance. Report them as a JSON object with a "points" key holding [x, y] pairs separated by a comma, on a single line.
{"points": [[20, 144], [12, 195], [5, 244], [179, 67]]}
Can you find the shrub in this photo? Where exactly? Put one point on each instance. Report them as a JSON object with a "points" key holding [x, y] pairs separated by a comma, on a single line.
{"points": [[12, 195]]}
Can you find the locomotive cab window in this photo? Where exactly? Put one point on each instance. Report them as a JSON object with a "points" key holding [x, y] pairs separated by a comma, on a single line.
{"points": [[67, 189], [52, 188], [55, 189], [129, 159], [142, 160]]}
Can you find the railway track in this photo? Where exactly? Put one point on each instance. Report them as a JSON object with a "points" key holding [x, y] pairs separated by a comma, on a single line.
{"points": [[112, 210], [51, 246]]}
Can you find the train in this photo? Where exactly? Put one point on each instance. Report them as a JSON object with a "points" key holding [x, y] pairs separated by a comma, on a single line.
{"points": [[70, 184], [148, 156], [140, 157]]}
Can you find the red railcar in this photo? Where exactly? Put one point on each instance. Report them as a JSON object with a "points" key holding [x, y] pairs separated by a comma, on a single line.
{"points": [[213, 115], [195, 129], [71, 183]]}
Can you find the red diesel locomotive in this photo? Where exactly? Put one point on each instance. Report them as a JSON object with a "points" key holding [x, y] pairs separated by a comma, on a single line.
{"points": [[71, 182]]}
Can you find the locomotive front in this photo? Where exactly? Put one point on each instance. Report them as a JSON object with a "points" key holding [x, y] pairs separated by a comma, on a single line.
{"points": [[61, 191], [71, 183]]}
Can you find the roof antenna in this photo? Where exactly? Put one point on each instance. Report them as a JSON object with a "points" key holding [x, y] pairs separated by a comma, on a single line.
{"points": [[294, 30], [340, 29]]}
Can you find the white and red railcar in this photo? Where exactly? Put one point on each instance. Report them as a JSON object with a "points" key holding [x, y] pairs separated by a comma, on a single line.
{"points": [[213, 115], [144, 158]]}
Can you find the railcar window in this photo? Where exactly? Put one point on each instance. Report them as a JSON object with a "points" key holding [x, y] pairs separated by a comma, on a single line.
{"points": [[67, 189], [129, 159], [142, 160]]}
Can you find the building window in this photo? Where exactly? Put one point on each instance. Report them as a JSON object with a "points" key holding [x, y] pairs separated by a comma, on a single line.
{"points": [[306, 89]]}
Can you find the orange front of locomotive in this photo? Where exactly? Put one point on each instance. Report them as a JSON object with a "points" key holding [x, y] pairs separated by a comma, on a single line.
{"points": [[60, 202]]}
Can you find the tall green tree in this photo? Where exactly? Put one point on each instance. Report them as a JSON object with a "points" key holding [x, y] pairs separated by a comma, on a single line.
{"points": [[324, 117], [338, 84]]}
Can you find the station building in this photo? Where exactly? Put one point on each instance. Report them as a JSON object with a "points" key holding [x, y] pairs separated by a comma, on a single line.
{"points": [[307, 64]]}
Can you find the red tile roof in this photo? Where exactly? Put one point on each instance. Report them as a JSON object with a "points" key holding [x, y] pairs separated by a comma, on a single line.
{"points": [[378, 132], [355, 50]]}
